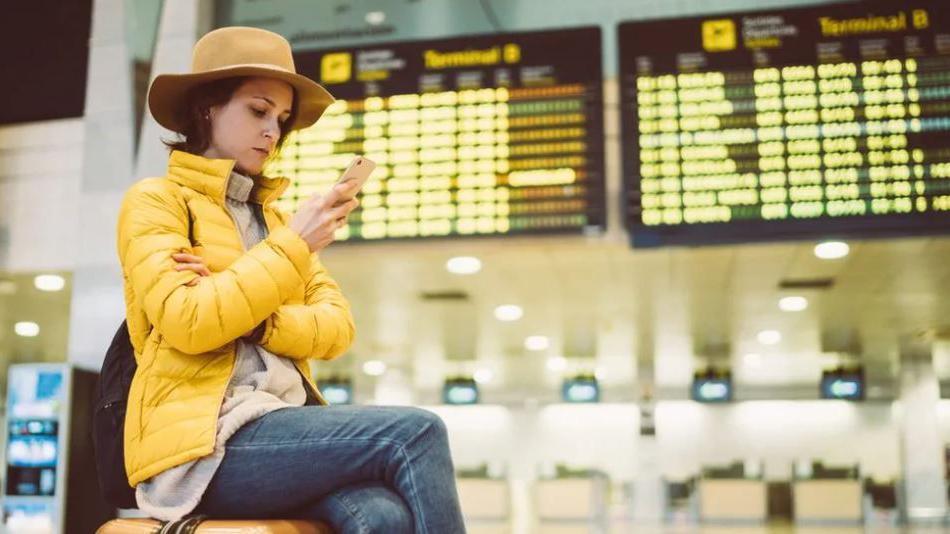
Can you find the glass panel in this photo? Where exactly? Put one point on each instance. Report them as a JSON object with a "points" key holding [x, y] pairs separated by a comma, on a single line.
{"points": [[141, 22]]}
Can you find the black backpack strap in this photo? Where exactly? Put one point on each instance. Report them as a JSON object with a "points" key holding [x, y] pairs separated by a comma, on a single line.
{"points": [[187, 525]]}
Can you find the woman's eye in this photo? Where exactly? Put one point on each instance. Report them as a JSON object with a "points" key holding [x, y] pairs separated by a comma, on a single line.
{"points": [[258, 112]]}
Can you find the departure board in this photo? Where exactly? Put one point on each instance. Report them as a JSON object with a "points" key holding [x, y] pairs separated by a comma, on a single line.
{"points": [[827, 121], [482, 135]]}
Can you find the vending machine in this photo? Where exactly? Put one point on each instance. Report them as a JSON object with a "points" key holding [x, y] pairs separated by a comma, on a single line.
{"points": [[50, 484]]}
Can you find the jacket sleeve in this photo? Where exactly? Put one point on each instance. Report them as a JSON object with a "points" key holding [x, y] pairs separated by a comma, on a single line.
{"points": [[320, 328], [153, 224]]}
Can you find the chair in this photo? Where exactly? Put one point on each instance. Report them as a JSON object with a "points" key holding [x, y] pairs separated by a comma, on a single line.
{"points": [[221, 526]]}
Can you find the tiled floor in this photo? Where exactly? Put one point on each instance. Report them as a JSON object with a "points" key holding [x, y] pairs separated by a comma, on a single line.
{"points": [[695, 529], [782, 529]]}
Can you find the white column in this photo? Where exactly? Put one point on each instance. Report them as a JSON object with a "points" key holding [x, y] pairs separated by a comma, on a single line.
{"points": [[924, 488], [182, 24], [649, 492], [97, 306]]}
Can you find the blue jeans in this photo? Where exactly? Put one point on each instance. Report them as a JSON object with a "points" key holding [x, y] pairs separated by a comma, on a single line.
{"points": [[362, 469]]}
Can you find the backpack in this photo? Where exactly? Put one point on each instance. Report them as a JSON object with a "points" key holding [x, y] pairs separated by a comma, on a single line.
{"points": [[108, 417], [108, 420]]}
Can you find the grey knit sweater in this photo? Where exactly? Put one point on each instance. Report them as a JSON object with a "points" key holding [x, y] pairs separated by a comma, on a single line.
{"points": [[261, 383]]}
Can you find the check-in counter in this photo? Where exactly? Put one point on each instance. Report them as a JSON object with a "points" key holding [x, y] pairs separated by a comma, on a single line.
{"points": [[733, 500], [486, 503], [569, 501], [829, 496], [828, 500], [730, 496]]}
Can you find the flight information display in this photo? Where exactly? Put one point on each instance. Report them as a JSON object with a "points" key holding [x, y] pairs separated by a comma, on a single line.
{"points": [[482, 135], [816, 122]]}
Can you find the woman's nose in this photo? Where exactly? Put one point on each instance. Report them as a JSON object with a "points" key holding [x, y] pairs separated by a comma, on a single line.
{"points": [[270, 135]]}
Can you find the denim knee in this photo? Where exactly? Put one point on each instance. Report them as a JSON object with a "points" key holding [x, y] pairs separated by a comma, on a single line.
{"points": [[424, 421], [380, 510]]}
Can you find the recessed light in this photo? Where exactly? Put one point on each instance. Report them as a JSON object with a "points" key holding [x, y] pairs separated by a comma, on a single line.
{"points": [[556, 364], [49, 282], [508, 312], [793, 304], [770, 337], [537, 343], [752, 359], [374, 368], [483, 376], [463, 265], [832, 250], [375, 18], [26, 329]]}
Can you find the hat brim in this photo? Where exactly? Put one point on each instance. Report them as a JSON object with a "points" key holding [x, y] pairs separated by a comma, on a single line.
{"points": [[166, 95]]}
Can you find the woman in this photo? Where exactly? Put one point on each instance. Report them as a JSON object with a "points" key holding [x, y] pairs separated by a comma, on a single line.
{"points": [[226, 303]]}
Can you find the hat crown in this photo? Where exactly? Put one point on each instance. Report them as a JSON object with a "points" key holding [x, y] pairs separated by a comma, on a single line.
{"points": [[228, 47]]}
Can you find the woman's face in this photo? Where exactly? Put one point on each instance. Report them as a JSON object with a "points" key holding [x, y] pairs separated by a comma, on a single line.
{"points": [[247, 127]]}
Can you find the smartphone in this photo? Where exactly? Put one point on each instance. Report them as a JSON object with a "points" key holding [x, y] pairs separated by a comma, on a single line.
{"points": [[359, 170]]}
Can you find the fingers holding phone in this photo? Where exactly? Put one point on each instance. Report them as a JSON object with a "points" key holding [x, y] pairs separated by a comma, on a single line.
{"points": [[318, 218], [352, 180]]}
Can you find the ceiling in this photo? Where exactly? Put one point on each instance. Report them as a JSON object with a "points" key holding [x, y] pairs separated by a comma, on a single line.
{"points": [[635, 316], [632, 313]]}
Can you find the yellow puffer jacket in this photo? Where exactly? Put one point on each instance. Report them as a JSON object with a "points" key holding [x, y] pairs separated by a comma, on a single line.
{"points": [[183, 335]]}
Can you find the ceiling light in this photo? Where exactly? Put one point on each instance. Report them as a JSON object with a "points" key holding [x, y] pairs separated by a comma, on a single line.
{"points": [[770, 337], [508, 312], [832, 250], [463, 265], [793, 304], [556, 364], [374, 368], [375, 18], [49, 282], [537, 343], [483, 376], [26, 329]]}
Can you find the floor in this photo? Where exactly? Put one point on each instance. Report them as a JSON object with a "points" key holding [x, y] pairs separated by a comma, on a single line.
{"points": [[696, 529]]}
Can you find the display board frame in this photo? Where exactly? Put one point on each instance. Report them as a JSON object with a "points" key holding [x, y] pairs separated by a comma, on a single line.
{"points": [[638, 39]]}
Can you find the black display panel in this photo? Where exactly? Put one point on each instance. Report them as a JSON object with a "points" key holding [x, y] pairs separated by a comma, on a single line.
{"points": [[711, 389], [826, 121], [480, 135], [44, 65], [580, 389], [460, 391], [843, 384]]}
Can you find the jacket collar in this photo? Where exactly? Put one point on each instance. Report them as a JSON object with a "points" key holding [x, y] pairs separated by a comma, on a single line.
{"points": [[211, 177]]}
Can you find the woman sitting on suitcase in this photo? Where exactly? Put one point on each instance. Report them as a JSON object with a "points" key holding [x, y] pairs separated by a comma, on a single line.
{"points": [[227, 302]]}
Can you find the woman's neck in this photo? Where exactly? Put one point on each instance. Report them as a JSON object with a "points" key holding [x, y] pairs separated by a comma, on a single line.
{"points": [[214, 153]]}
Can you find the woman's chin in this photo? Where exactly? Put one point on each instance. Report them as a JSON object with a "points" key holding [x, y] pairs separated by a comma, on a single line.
{"points": [[249, 169]]}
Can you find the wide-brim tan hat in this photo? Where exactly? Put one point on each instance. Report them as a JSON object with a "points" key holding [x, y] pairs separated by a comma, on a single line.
{"points": [[232, 52]]}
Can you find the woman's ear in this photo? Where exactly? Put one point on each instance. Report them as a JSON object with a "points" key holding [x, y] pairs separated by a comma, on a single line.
{"points": [[213, 111]]}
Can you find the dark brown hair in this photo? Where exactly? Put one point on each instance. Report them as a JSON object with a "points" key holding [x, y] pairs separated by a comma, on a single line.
{"points": [[195, 136]]}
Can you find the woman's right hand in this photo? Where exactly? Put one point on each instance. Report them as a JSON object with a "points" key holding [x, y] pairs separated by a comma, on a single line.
{"points": [[319, 217]]}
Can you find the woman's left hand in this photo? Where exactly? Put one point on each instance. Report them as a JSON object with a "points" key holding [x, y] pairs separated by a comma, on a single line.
{"points": [[190, 262]]}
